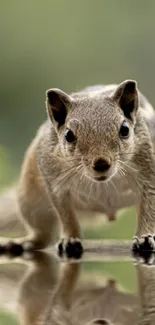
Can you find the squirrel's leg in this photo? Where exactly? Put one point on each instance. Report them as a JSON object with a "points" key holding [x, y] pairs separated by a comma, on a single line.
{"points": [[145, 291], [144, 239], [70, 242], [61, 299], [40, 217], [38, 214], [42, 272]]}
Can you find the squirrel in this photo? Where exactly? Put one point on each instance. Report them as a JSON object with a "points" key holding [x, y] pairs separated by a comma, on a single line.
{"points": [[95, 151]]}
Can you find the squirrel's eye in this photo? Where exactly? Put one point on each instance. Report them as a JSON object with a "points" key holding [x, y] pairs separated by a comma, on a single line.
{"points": [[124, 130], [69, 136]]}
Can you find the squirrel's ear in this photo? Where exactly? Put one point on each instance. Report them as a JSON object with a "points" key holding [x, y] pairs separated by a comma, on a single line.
{"points": [[57, 103], [126, 95]]}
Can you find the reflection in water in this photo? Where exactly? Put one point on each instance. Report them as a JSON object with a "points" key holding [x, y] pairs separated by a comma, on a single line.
{"points": [[146, 288], [51, 292]]}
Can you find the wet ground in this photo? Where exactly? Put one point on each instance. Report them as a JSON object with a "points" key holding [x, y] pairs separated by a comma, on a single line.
{"points": [[107, 285]]}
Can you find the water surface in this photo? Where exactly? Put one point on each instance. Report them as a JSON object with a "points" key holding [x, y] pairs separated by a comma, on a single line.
{"points": [[106, 284]]}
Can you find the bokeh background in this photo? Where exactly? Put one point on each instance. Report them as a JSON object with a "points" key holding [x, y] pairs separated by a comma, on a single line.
{"points": [[68, 44]]}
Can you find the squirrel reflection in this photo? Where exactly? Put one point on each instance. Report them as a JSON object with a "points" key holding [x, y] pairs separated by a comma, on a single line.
{"points": [[51, 294], [146, 292]]}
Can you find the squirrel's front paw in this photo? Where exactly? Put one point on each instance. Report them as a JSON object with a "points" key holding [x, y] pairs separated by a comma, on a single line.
{"points": [[144, 257], [70, 247], [19, 246], [17, 249], [145, 243]]}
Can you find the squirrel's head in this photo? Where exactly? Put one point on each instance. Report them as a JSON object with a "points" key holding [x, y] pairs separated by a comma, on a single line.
{"points": [[95, 132]]}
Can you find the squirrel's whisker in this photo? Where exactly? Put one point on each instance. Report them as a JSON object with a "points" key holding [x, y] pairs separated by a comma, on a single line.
{"points": [[68, 177], [130, 177]]}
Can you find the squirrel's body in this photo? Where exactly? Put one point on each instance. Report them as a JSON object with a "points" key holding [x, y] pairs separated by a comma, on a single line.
{"points": [[79, 160]]}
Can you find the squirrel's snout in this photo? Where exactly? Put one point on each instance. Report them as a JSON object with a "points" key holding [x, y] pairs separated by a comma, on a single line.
{"points": [[101, 165]]}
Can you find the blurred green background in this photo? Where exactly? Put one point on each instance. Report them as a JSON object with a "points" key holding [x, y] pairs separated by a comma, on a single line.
{"points": [[67, 44]]}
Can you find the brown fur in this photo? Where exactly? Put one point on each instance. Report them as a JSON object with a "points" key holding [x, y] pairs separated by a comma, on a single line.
{"points": [[57, 178]]}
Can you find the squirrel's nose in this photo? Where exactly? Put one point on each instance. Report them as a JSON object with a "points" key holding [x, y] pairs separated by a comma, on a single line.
{"points": [[101, 165]]}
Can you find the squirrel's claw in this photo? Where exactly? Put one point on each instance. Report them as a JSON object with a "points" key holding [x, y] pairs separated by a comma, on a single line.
{"points": [[70, 247], [145, 243]]}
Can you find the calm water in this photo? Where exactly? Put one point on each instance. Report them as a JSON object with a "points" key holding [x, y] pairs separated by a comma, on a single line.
{"points": [[106, 284]]}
